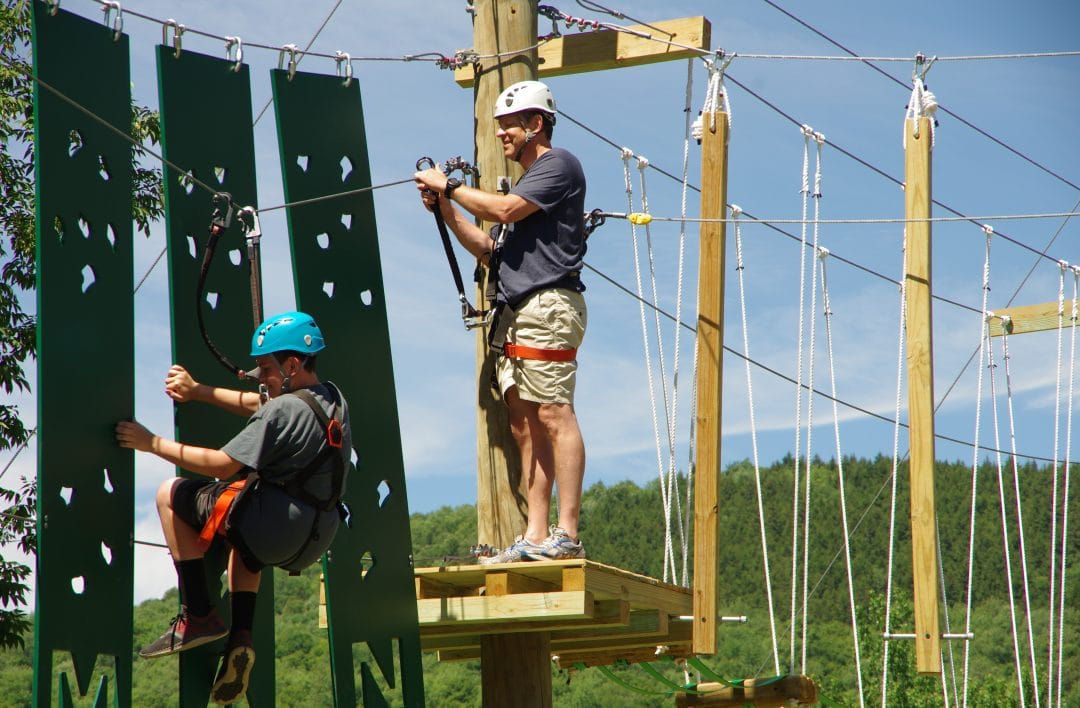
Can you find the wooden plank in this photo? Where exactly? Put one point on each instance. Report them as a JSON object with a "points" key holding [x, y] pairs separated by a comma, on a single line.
{"points": [[510, 608], [1031, 318], [772, 692], [612, 49], [710, 357], [639, 591], [644, 623], [920, 364], [619, 643], [571, 660], [510, 583], [428, 588], [607, 615]]}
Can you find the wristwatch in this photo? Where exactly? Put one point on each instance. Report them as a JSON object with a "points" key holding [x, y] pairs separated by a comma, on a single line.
{"points": [[451, 184]]}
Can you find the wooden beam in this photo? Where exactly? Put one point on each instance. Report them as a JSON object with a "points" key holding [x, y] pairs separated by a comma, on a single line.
{"points": [[571, 660], [645, 628], [612, 49], [1030, 318], [508, 608], [710, 357], [608, 616], [774, 692], [920, 366]]}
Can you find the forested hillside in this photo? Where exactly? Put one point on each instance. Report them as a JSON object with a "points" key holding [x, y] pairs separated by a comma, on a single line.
{"points": [[622, 526]]}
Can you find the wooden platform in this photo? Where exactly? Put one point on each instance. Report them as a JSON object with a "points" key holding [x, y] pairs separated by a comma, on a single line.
{"points": [[595, 614]]}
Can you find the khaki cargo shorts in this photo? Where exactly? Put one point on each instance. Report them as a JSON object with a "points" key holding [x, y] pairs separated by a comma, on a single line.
{"points": [[547, 319]]}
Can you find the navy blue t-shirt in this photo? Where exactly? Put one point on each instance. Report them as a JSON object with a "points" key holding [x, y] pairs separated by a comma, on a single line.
{"points": [[544, 248]]}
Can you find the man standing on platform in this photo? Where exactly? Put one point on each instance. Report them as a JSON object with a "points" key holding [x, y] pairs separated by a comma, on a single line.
{"points": [[536, 255]]}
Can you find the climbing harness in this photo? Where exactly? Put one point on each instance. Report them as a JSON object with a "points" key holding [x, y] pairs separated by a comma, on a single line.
{"points": [[220, 220], [220, 520], [471, 316]]}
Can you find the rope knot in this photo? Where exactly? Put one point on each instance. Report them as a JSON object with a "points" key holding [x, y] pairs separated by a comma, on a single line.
{"points": [[736, 210], [642, 162], [822, 252], [988, 230], [626, 153]]}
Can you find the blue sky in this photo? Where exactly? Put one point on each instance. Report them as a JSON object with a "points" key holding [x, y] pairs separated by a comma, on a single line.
{"points": [[414, 109]]}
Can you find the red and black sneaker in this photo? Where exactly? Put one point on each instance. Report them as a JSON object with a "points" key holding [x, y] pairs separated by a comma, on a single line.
{"points": [[187, 632]]}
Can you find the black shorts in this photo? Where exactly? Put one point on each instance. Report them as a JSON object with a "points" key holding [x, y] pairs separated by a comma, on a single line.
{"points": [[193, 502]]}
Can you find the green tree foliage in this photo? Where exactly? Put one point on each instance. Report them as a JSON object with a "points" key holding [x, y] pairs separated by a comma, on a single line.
{"points": [[17, 279], [622, 526]]}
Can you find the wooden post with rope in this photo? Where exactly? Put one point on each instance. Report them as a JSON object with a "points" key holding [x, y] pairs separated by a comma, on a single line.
{"points": [[920, 367]]}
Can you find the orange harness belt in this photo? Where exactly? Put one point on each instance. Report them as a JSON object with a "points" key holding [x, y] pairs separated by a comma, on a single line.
{"points": [[213, 525], [520, 351]]}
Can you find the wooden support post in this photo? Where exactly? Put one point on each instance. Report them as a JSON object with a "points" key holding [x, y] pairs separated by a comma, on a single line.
{"points": [[710, 354], [920, 362], [499, 26], [515, 668]]}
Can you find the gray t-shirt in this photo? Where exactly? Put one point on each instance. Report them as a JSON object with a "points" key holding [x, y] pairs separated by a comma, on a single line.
{"points": [[546, 247], [284, 436]]}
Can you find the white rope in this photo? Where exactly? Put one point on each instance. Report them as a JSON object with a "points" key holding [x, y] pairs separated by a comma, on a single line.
{"points": [[669, 569], [1005, 531], [670, 411], [797, 471], [1026, 586], [1068, 475], [922, 104], [716, 99], [820, 140], [740, 268], [1051, 618], [895, 470], [823, 254], [951, 663], [983, 356], [685, 537], [670, 475]]}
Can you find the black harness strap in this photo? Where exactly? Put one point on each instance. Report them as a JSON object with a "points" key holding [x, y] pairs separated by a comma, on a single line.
{"points": [[333, 451]]}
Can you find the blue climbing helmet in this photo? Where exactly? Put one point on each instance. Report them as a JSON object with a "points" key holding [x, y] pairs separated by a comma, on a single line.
{"points": [[288, 331]]}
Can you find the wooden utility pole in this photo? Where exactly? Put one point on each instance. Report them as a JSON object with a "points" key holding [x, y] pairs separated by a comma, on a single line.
{"points": [[499, 26], [515, 668], [920, 367], [710, 356]]}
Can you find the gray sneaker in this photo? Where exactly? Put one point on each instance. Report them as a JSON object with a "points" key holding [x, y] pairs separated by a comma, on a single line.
{"points": [[520, 550], [186, 631], [557, 546]]}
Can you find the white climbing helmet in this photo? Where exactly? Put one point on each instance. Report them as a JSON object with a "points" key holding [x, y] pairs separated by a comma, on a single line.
{"points": [[525, 96]]}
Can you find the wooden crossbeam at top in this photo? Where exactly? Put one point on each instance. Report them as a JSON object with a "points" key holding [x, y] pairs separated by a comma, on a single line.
{"points": [[1030, 318], [610, 49]]}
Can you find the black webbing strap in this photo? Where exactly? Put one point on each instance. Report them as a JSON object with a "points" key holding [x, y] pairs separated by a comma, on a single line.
{"points": [[333, 450]]}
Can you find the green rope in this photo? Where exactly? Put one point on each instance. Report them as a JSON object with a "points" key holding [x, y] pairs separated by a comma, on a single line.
{"points": [[651, 670], [708, 673], [612, 677]]}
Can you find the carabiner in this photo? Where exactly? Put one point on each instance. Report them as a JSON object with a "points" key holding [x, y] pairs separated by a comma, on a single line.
{"points": [[425, 161]]}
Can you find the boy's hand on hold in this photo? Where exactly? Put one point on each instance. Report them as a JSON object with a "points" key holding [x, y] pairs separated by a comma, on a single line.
{"points": [[179, 385], [134, 435]]}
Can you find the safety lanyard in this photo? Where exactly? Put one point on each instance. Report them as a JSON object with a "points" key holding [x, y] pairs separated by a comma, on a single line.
{"points": [[471, 316], [220, 221]]}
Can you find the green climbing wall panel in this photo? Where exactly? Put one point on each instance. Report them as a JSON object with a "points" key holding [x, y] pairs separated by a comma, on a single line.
{"points": [[338, 278], [85, 351], [206, 131]]}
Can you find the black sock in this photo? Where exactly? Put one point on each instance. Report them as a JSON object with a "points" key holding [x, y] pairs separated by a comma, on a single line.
{"points": [[193, 592], [243, 611]]}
